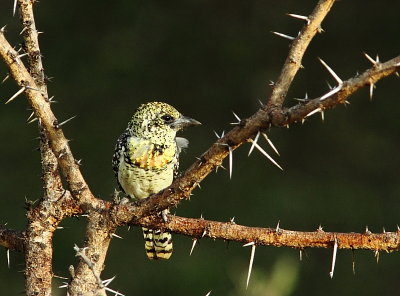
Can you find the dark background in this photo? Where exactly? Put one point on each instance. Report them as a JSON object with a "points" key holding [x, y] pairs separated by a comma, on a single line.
{"points": [[208, 58]]}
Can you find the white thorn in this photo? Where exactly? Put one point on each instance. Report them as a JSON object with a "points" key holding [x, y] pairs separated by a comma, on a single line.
{"points": [[22, 55], [108, 281], [232, 220], [65, 285], [277, 229], [230, 162], [333, 91], [322, 115], [384, 230], [353, 257], [253, 143], [30, 116], [117, 236], [283, 35], [3, 29], [335, 246], [8, 258], [23, 30], [14, 7], [253, 251], [267, 155], [216, 134], [301, 255], [113, 291], [313, 112], [5, 78], [208, 294], [377, 59], [248, 244], [237, 117], [339, 81], [371, 90], [65, 121], [270, 143], [32, 120], [301, 17], [16, 94], [377, 256], [193, 245], [369, 58]]}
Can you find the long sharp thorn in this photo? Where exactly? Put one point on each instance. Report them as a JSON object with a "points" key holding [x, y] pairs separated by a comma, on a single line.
{"points": [[328, 94], [230, 162], [208, 294], [117, 236], [371, 90], [377, 59], [369, 58], [193, 245], [253, 143], [30, 116], [5, 78], [353, 256], [300, 17], [377, 256], [65, 121], [253, 251], [108, 281], [236, 116], [283, 35], [23, 30], [313, 112], [216, 134], [335, 246], [14, 7], [270, 143], [32, 120], [8, 258], [16, 94], [22, 55], [301, 255], [331, 71], [322, 115], [267, 155]]}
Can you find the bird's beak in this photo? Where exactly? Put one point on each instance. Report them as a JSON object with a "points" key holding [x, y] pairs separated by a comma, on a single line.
{"points": [[182, 122]]}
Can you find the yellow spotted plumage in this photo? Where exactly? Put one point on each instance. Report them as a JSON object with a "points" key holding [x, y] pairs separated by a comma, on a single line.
{"points": [[145, 161]]}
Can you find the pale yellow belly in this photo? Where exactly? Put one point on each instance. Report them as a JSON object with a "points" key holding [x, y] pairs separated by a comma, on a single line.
{"points": [[140, 183]]}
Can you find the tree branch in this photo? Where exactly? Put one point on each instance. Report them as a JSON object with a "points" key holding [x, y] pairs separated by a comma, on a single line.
{"points": [[296, 53], [277, 237], [11, 239]]}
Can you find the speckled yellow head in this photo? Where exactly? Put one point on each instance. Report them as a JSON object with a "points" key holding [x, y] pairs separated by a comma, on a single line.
{"points": [[158, 122]]}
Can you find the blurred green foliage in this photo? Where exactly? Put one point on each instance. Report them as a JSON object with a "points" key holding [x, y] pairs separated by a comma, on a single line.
{"points": [[207, 58]]}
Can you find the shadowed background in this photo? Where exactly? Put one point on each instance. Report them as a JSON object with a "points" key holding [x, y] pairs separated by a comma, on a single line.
{"points": [[208, 58]]}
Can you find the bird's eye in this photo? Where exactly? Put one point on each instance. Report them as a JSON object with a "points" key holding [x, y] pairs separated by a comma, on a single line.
{"points": [[167, 118]]}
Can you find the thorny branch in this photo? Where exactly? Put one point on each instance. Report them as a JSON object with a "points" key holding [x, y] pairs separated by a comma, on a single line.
{"points": [[105, 216]]}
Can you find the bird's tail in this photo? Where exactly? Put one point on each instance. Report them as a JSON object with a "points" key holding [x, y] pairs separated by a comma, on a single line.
{"points": [[157, 243]]}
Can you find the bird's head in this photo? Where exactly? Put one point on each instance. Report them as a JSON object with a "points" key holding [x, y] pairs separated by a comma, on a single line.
{"points": [[158, 122]]}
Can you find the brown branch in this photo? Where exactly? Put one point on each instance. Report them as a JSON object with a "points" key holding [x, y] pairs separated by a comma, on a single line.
{"points": [[278, 237], [11, 239], [262, 119], [59, 144], [296, 53], [98, 237], [43, 221]]}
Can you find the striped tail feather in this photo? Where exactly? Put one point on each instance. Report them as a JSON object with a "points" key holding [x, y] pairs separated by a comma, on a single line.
{"points": [[157, 243]]}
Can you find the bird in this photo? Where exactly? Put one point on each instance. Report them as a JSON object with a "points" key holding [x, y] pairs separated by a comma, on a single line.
{"points": [[146, 160]]}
